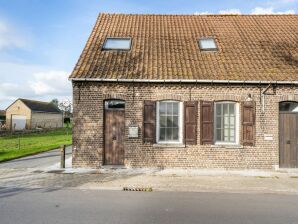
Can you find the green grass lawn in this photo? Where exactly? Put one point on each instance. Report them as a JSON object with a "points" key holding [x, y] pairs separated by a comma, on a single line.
{"points": [[33, 143]]}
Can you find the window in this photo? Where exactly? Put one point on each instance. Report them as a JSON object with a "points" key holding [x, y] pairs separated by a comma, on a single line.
{"points": [[169, 122], [226, 122], [288, 107], [207, 44], [117, 44], [114, 104]]}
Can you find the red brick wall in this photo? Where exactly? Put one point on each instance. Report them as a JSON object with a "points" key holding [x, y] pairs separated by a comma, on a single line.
{"points": [[88, 126]]}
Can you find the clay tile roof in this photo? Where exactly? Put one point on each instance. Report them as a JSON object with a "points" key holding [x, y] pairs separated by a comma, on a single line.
{"points": [[165, 47], [39, 106]]}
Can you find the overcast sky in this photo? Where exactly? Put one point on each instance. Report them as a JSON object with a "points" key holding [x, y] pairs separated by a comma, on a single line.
{"points": [[41, 40]]}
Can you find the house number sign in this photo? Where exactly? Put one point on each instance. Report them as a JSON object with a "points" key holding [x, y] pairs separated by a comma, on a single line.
{"points": [[133, 131]]}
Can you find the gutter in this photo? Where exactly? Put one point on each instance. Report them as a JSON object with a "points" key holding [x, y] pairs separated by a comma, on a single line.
{"points": [[185, 81]]}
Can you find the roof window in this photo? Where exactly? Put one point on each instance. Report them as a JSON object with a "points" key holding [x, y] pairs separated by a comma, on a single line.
{"points": [[207, 44], [117, 43]]}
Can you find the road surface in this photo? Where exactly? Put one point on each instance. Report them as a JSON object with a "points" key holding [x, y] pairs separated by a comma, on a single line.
{"points": [[91, 206]]}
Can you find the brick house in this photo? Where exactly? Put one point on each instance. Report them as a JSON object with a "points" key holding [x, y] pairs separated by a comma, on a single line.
{"points": [[188, 91], [30, 114]]}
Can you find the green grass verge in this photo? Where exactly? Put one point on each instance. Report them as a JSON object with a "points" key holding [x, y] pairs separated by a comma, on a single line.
{"points": [[33, 143]]}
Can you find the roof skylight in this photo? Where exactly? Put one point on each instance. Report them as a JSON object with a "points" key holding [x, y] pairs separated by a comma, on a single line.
{"points": [[117, 43], [207, 44]]}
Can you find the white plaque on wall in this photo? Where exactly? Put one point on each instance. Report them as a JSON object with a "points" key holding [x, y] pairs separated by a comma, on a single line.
{"points": [[268, 137], [133, 131]]}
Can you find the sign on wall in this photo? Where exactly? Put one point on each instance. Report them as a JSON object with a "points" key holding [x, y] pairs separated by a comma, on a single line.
{"points": [[133, 131]]}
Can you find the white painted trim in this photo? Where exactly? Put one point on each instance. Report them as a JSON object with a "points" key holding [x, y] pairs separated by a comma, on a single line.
{"points": [[237, 125], [180, 117], [184, 81]]}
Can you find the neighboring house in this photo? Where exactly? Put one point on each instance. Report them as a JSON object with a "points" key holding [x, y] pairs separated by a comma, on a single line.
{"points": [[2, 118], [188, 91], [31, 114]]}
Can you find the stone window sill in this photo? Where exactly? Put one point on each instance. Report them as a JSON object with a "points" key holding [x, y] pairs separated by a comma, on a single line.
{"points": [[227, 146], [169, 145]]}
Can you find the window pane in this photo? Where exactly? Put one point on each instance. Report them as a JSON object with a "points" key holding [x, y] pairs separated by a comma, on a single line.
{"points": [[232, 109], [226, 122], [117, 44], [162, 121], [114, 104], [175, 108], [225, 109], [175, 134], [218, 109], [162, 108], [169, 135], [207, 43], [226, 133], [218, 122], [288, 107], [232, 133], [169, 108], [232, 121], [162, 134], [175, 121], [218, 135], [169, 121]]}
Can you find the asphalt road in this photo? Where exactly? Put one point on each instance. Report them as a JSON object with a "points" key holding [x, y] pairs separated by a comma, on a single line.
{"points": [[77, 206], [36, 161]]}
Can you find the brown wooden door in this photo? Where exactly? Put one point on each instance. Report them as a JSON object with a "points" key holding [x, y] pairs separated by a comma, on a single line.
{"points": [[288, 140], [114, 137]]}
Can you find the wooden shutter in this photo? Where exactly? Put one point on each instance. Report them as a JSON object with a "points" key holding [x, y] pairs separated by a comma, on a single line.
{"points": [[207, 122], [248, 123], [149, 122], [190, 122]]}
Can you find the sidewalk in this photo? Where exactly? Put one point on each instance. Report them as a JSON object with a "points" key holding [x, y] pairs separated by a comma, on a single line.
{"points": [[198, 181], [185, 180]]}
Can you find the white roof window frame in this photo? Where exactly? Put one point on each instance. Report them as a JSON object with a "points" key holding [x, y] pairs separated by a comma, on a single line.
{"points": [[210, 49], [117, 49]]}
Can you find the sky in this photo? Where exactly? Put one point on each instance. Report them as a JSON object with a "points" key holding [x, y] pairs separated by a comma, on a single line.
{"points": [[41, 40]]}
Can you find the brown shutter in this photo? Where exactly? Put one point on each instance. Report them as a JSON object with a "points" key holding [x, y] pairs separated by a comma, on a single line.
{"points": [[149, 121], [248, 122], [206, 122], [190, 122]]}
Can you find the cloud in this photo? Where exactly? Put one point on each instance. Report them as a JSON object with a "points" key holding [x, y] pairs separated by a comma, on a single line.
{"points": [[230, 11], [50, 83], [270, 10], [10, 37], [44, 85]]}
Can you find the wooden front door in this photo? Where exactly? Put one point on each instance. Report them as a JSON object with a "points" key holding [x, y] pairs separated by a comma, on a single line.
{"points": [[288, 140], [114, 136]]}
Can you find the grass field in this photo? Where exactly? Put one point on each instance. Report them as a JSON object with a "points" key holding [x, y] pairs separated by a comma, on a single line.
{"points": [[16, 146]]}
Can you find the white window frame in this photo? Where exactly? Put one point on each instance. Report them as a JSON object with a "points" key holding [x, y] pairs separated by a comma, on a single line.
{"points": [[237, 124], [180, 123], [215, 48], [117, 49]]}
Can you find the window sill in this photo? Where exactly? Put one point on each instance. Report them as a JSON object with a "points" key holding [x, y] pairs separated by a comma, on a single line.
{"points": [[170, 145], [227, 146]]}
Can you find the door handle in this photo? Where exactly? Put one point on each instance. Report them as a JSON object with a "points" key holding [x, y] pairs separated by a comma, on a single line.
{"points": [[288, 142]]}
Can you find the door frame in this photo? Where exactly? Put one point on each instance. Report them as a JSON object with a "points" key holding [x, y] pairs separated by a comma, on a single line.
{"points": [[279, 128], [104, 131]]}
